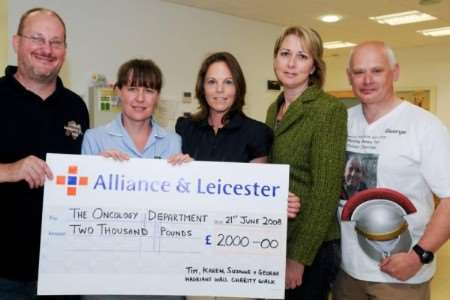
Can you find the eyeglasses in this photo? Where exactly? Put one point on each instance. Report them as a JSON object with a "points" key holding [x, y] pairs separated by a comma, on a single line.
{"points": [[41, 41]]}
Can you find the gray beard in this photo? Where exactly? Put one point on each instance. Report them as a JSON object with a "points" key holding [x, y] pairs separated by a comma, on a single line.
{"points": [[43, 78]]}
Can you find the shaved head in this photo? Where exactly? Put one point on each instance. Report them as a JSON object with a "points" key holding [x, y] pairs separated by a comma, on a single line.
{"points": [[390, 55], [372, 71]]}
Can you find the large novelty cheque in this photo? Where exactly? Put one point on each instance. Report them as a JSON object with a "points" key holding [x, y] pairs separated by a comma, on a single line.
{"points": [[144, 227]]}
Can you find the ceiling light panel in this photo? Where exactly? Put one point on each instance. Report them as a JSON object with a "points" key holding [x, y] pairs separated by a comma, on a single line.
{"points": [[442, 31], [330, 18], [406, 17], [337, 44]]}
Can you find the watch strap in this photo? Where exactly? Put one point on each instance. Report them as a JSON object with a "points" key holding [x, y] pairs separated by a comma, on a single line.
{"points": [[425, 256]]}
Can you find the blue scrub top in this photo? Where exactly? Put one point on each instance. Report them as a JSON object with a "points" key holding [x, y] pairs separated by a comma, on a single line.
{"points": [[113, 136]]}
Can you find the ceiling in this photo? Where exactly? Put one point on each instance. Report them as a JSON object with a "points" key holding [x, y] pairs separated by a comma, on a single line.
{"points": [[355, 27]]}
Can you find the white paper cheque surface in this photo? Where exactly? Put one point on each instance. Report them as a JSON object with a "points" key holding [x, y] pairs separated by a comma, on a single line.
{"points": [[144, 227]]}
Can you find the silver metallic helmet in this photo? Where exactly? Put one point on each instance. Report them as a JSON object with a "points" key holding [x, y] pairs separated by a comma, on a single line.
{"points": [[379, 221]]}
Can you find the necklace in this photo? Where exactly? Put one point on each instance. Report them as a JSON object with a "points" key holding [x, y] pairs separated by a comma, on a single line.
{"points": [[283, 109]]}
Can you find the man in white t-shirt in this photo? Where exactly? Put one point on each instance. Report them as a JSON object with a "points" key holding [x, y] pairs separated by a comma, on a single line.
{"points": [[403, 148]]}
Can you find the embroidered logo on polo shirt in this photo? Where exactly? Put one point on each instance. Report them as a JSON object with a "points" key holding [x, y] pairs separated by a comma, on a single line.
{"points": [[73, 129]]}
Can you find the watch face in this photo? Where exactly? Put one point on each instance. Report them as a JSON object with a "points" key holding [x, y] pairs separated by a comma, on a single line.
{"points": [[427, 257]]}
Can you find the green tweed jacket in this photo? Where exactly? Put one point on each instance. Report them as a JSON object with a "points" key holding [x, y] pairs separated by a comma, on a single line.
{"points": [[311, 138]]}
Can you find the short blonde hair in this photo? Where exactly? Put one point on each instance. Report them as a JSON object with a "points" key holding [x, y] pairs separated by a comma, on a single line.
{"points": [[313, 42]]}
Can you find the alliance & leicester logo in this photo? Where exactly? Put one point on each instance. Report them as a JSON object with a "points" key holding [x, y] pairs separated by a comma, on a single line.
{"points": [[72, 180]]}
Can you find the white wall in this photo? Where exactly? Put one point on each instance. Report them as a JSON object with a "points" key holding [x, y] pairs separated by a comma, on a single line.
{"points": [[102, 34], [421, 67], [3, 36]]}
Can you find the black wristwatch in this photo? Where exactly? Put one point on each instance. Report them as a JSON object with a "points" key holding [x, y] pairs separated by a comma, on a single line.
{"points": [[425, 256]]}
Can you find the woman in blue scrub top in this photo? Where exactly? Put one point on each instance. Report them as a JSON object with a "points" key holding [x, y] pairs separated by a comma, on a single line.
{"points": [[134, 133]]}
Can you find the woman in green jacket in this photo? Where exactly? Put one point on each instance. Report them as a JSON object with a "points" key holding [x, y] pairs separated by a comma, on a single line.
{"points": [[309, 135]]}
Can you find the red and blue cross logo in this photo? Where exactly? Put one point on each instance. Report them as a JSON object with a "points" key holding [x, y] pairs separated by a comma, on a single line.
{"points": [[72, 180]]}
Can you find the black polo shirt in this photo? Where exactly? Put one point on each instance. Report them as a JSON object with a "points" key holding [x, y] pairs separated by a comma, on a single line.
{"points": [[240, 140], [31, 126]]}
